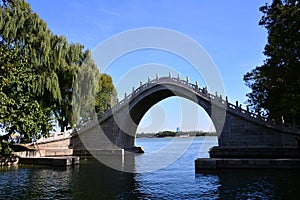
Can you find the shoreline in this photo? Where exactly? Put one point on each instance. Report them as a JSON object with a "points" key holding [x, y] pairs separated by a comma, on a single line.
{"points": [[170, 134]]}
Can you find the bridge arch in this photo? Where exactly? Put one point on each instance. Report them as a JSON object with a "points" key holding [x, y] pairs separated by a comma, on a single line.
{"points": [[175, 114], [135, 106], [241, 133], [140, 105], [235, 126]]}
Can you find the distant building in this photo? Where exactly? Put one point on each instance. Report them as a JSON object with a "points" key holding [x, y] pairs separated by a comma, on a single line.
{"points": [[178, 130]]}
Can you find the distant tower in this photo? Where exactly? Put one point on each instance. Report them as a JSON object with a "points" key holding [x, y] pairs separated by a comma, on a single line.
{"points": [[177, 129]]}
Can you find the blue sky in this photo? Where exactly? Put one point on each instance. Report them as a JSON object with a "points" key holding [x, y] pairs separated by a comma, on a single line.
{"points": [[227, 30]]}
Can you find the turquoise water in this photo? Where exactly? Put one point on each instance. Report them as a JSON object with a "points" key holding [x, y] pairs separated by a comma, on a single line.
{"points": [[93, 180]]}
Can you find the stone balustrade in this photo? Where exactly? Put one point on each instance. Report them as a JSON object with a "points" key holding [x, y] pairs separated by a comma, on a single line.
{"points": [[203, 92]]}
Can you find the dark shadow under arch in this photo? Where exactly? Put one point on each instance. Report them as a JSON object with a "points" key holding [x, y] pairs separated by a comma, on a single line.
{"points": [[140, 104]]}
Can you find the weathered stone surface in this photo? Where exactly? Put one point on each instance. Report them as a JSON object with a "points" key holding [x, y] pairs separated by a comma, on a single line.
{"points": [[236, 127], [202, 164], [254, 152], [241, 134], [135, 149], [8, 160], [57, 161]]}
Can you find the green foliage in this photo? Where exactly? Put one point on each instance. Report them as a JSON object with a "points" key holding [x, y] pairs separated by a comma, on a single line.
{"points": [[5, 148], [22, 29], [275, 84], [38, 73], [24, 41], [84, 91], [43, 77], [176, 134], [19, 111], [165, 134], [106, 95]]}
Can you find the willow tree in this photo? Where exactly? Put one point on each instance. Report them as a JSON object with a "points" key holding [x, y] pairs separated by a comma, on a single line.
{"points": [[106, 95], [67, 59], [19, 30], [22, 29], [276, 84], [19, 111], [84, 91], [51, 64], [77, 76]]}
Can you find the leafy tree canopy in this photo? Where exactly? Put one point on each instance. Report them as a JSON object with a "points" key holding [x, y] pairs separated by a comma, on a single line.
{"points": [[276, 84], [84, 91], [19, 111], [42, 75], [106, 95]]}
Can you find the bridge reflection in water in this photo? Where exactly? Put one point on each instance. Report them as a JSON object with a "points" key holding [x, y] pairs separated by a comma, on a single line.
{"points": [[93, 180]]}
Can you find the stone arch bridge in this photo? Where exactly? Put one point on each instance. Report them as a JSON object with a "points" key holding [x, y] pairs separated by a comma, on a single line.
{"points": [[240, 132]]}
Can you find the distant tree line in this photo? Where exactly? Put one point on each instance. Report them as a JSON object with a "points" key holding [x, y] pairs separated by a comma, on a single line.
{"points": [[43, 77], [176, 134]]}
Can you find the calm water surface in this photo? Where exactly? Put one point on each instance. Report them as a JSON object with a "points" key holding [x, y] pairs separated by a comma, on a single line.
{"points": [[93, 180]]}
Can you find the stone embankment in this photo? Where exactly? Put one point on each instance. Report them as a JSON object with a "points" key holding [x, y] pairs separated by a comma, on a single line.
{"points": [[202, 164], [48, 151], [249, 158], [8, 160]]}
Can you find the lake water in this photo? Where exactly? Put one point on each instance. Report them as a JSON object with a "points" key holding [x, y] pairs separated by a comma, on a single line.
{"points": [[93, 180]]}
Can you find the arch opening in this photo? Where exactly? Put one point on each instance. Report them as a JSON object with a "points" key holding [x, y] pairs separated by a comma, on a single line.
{"points": [[142, 103], [176, 115], [130, 115]]}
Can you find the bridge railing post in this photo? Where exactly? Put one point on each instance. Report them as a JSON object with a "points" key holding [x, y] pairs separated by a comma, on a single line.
{"points": [[259, 115], [205, 92]]}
